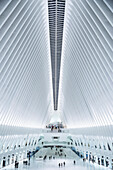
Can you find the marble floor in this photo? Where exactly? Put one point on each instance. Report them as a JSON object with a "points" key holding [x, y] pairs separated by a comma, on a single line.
{"points": [[53, 165]]}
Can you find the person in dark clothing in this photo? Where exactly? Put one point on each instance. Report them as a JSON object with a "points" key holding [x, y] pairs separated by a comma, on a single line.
{"points": [[74, 162], [59, 165], [64, 163]]}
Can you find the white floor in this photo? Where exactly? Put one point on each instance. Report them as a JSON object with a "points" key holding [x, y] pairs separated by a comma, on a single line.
{"points": [[53, 165]]}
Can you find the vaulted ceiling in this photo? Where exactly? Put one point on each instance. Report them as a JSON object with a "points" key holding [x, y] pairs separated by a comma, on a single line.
{"points": [[56, 55]]}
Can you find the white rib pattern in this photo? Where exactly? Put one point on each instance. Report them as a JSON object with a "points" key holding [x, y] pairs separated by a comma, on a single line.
{"points": [[25, 83], [87, 65]]}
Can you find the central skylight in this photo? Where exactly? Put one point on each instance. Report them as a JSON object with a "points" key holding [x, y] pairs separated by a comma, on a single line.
{"points": [[56, 11]]}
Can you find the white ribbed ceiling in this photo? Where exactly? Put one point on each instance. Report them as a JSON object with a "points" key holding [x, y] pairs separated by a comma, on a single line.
{"points": [[86, 94], [25, 68]]}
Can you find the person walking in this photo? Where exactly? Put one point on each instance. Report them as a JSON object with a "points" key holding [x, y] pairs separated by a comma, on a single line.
{"points": [[64, 163]]}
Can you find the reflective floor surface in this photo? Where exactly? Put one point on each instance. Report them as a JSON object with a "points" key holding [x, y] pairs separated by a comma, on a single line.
{"points": [[53, 164]]}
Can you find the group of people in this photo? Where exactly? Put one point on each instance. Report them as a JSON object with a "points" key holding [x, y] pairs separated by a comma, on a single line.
{"points": [[61, 164], [56, 125], [55, 128]]}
